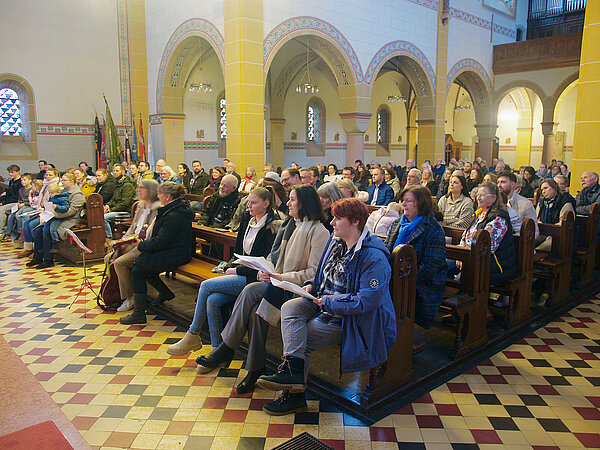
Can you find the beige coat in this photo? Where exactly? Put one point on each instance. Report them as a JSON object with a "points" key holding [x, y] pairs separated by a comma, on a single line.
{"points": [[139, 208]]}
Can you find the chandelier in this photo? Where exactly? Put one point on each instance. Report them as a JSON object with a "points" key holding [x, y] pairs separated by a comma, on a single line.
{"points": [[200, 87], [397, 99], [466, 108], [307, 84]]}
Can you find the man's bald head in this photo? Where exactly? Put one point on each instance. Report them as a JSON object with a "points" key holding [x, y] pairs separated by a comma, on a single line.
{"points": [[589, 179]]}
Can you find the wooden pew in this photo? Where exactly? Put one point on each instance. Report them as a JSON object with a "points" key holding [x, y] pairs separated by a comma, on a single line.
{"points": [[200, 267], [556, 266], [470, 305], [92, 233], [585, 248], [398, 369], [519, 287], [372, 208]]}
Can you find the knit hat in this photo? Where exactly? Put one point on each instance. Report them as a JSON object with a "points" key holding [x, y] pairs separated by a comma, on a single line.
{"points": [[272, 176]]}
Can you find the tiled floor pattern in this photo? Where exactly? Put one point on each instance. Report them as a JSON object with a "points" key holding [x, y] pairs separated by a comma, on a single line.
{"points": [[119, 387]]}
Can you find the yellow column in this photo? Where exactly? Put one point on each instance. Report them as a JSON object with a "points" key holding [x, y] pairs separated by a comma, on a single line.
{"points": [[587, 115], [138, 68], [277, 142], [244, 86], [523, 146], [411, 141], [425, 142], [172, 137]]}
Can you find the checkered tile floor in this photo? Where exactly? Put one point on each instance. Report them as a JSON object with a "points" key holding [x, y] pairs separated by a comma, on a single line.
{"points": [[120, 389]]}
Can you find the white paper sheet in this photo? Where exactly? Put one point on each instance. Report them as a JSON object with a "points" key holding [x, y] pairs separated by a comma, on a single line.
{"points": [[45, 216], [15, 208], [255, 262], [291, 287], [49, 206]]}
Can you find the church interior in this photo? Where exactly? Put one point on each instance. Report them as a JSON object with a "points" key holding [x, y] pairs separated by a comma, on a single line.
{"points": [[435, 85]]}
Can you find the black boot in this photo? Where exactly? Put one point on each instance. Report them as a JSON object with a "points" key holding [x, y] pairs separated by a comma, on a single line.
{"points": [[221, 357], [163, 297], [248, 383], [34, 262], [287, 403], [289, 376], [138, 316]]}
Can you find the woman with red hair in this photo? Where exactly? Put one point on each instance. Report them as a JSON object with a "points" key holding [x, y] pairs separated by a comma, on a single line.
{"points": [[353, 300]]}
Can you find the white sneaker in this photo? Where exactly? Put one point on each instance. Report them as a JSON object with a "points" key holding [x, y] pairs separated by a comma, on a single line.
{"points": [[127, 305]]}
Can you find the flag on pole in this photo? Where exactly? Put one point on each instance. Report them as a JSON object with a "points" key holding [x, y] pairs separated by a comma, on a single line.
{"points": [[113, 145], [141, 147], [97, 140], [102, 163], [134, 144], [127, 148]]}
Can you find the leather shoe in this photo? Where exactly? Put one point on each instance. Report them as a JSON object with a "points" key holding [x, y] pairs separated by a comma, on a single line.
{"points": [[162, 297], [249, 382], [34, 262], [45, 265]]}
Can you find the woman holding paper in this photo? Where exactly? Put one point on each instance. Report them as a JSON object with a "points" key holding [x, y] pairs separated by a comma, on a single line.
{"points": [[351, 307], [255, 237], [295, 256]]}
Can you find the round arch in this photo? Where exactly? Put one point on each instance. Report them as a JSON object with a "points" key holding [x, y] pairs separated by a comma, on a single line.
{"points": [[561, 96], [176, 51], [566, 85], [504, 90], [347, 67]]}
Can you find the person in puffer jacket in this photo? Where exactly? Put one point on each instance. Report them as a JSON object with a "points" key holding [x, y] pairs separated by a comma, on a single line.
{"points": [[353, 308], [380, 222]]}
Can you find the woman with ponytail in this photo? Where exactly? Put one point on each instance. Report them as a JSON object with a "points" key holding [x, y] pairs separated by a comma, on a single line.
{"points": [[258, 228]]}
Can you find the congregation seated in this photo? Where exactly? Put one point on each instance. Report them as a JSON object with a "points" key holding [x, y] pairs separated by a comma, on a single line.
{"points": [[197, 180], [71, 215], [428, 181], [145, 171], [30, 188], [184, 175], [444, 183], [105, 185], [379, 192], [10, 197], [507, 183], [332, 174], [456, 206], [392, 180], [291, 177], [350, 174], [353, 309], [259, 226], [553, 205], [121, 201], [86, 183], [419, 228], [249, 180], [295, 255], [222, 204], [216, 175], [350, 190], [167, 246], [329, 193], [475, 178], [168, 174], [363, 177], [530, 182], [493, 217], [380, 221], [125, 254], [589, 194]]}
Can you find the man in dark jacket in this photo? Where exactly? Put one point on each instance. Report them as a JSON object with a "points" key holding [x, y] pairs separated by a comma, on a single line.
{"points": [[105, 185], [222, 204], [199, 179], [590, 193], [168, 247], [380, 193], [10, 197], [122, 200], [42, 173]]}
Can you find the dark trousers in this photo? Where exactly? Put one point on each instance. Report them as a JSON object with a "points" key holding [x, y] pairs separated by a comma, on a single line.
{"points": [[140, 276], [42, 242]]}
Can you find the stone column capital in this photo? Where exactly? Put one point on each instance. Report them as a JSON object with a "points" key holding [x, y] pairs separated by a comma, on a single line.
{"points": [[355, 122]]}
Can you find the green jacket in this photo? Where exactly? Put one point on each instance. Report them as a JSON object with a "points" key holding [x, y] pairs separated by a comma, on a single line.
{"points": [[123, 196]]}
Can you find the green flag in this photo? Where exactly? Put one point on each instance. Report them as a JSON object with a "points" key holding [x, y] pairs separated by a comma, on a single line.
{"points": [[114, 151]]}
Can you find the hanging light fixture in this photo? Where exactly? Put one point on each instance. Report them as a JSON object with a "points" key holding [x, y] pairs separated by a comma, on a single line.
{"points": [[201, 86], [395, 97], [307, 84]]}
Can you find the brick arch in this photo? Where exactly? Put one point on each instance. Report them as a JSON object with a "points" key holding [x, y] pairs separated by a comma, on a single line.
{"points": [[469, 65], [192, 27]]}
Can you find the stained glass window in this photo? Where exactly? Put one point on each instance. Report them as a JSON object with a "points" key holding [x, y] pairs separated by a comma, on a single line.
{"points": [[222, 119], [313, 131], [10, 113], [383, 126]]}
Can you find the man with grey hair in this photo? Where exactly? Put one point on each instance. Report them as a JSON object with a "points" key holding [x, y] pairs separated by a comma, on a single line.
{"points": [[231, 171], [589, 194], [222, 204], [402, 173], [413, 177], [158, 167]]}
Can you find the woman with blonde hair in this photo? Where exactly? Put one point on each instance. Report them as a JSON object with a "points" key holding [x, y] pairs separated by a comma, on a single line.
{"points": [[350, 190], [249, 181]]}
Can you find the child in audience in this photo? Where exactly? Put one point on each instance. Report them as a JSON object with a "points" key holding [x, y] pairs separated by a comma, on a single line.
{"points": [[60, 200], [380, 221], [21, 203]]}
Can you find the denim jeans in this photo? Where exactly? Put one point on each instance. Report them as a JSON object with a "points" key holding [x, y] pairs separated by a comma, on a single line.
{"points": [[10, 223], [19, 220], [212, 295], [110, 217], [54, 224], [28, 226], [42, 243]]}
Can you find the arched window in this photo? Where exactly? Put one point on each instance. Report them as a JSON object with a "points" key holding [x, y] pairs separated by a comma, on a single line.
{"points": [[222, 125], [315, 128], [383, 131], [10, 113], [222, 119]]}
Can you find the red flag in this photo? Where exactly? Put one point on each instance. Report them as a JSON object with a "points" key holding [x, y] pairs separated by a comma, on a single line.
{"points": [[141, 147]]}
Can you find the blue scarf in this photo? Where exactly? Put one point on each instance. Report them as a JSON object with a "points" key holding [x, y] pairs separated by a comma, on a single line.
{"points": [[407, 228]]}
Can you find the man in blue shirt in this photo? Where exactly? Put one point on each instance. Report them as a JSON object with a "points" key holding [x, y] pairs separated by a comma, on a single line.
{"points": [[379, 192]]}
